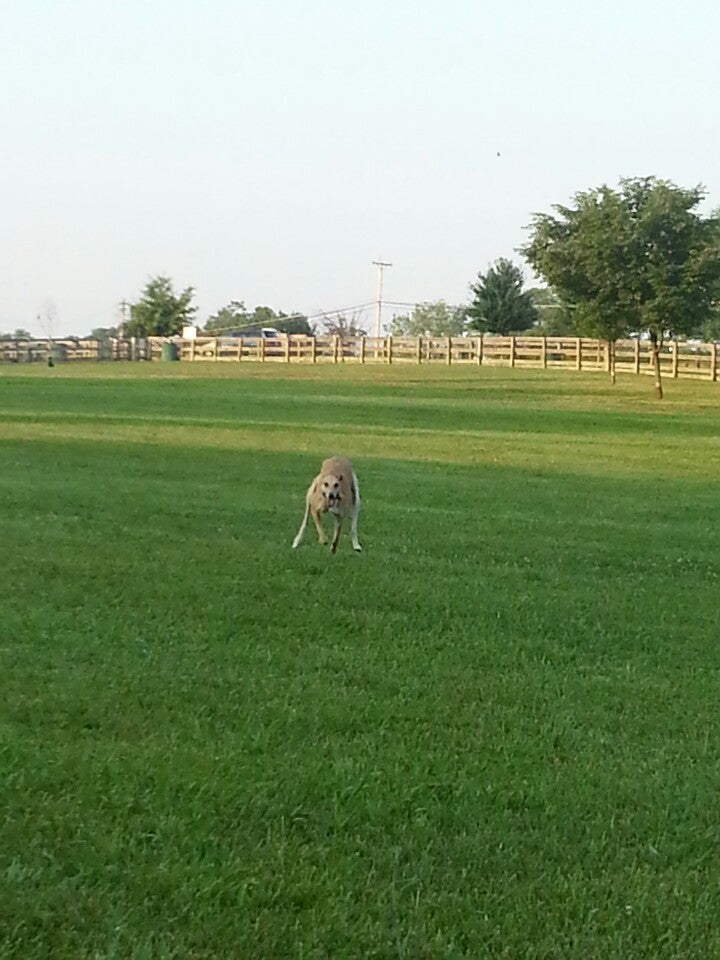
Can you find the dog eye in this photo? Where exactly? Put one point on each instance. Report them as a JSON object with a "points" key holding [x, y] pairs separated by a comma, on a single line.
{"points": [[339, 478], [335, 486], [325, 483]]}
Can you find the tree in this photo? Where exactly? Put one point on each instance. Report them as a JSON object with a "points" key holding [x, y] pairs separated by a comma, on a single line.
{"points": [[231, 317], [284, 322], [430, 320], [636, 258], [19, 334], [104, 333], [500, 305], [160, 312], [338, 325], [555, 318], [47, 318], [263, 317], [710, 329], [296, 323], [235, 316]]}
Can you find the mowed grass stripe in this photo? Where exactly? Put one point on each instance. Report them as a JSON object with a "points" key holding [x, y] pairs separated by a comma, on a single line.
{"points": [[697, 457]]}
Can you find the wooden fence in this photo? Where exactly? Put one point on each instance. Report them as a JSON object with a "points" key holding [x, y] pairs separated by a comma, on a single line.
{"points": [[71, 349], [678, 359]]}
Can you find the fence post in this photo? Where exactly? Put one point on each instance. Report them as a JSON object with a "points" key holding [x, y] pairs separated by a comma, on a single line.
{"points": [[481, 344], [287, 348], [675, 359], [544, 353], [389, 346], [217, 347], [713, 361], [261, 348], [240, 346], [578, 347], [313, 352], [362, 349], [133, 348], [512, 351], [636, 357], [449, 351], [419, 349]]}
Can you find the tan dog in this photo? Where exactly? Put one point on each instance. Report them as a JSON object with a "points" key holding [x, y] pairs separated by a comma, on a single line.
{"points": [[334, 490]]}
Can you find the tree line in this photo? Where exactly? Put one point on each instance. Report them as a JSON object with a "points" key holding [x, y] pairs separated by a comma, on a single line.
{"points": [[500, 305], [639, 259]]}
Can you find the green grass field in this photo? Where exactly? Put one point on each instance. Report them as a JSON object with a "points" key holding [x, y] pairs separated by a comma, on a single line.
{"points": [[494, 733]]}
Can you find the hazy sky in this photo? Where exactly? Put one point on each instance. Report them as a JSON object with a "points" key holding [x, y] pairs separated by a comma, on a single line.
{"points": [[269, 151]]}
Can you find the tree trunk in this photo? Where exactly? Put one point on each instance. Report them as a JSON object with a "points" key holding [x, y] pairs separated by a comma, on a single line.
{"points": [[655, 348]]}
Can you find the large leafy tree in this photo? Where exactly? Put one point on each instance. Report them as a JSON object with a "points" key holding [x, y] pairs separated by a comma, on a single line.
{"points": [[639, 258], [436, 319], [160, 312], [499, 304]]}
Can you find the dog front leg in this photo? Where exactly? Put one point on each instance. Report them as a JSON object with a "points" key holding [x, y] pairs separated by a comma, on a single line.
{"points": [[336, 535], [319, 527]]}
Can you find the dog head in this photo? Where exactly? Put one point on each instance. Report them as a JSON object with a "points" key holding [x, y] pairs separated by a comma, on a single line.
{"points": [[330, 488]]}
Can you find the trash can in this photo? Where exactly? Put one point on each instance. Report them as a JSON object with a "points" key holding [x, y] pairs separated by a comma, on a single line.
{"points": [[169, 351]]}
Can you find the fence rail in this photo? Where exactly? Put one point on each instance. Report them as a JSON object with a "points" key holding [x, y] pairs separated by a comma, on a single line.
{"points": [[678, 359]]}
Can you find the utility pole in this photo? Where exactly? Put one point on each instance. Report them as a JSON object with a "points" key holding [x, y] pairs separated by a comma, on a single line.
{"points": [[123, 318], [380, 264]]}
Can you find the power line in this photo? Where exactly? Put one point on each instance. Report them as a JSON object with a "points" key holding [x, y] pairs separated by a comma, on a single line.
{"points": [[328, 313]]}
